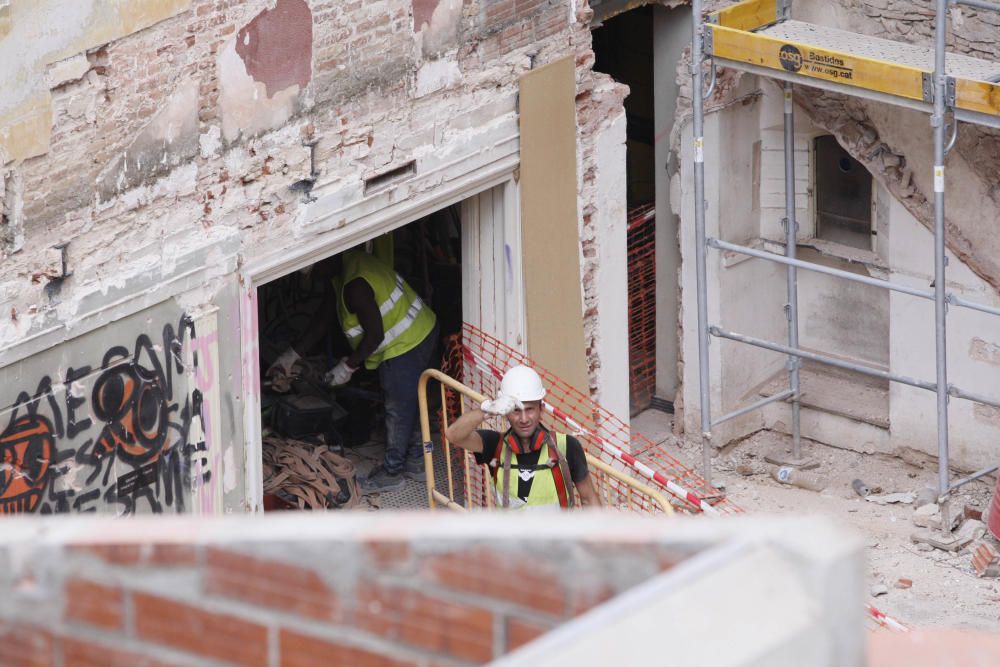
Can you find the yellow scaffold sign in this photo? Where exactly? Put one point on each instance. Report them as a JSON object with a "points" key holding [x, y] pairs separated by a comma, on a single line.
{"points": [[817, 63]]}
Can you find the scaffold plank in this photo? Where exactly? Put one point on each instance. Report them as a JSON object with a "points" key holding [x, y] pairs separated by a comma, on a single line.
{"points": [[811, 61], [979, 96], [958, 65], [748, 15], [897, 69]]}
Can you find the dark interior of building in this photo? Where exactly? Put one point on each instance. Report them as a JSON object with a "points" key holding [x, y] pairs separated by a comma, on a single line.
{"points": [[623, 46], [301, 412]]}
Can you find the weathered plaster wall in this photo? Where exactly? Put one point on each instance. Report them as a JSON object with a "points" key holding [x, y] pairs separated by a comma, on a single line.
{"points": [[30, 46]]}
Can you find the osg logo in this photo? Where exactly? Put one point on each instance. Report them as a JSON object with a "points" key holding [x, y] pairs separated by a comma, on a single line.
{"points": [[790, 57]]}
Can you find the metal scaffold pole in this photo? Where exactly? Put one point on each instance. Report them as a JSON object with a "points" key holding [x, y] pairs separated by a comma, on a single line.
{"points": [[792, 307], [940, 303], [698, 121]]}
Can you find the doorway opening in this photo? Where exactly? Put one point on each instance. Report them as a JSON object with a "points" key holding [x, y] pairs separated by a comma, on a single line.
{"points": [[641, 48], [319, 432]]}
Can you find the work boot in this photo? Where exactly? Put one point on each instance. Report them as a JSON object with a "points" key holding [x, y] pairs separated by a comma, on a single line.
{"points": [[415, 469], [381, 481]]}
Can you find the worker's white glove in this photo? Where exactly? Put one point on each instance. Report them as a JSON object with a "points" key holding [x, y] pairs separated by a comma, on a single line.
{"points": [[284, 362], [501, 405], [339, 374]]}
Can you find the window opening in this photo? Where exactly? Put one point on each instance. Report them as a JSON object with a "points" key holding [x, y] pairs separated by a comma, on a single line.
{"points": [[843, 196]]}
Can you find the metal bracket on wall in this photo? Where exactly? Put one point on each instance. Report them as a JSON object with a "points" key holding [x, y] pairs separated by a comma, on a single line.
{"points": [[949, 88], [927, 79], [706, 43]]}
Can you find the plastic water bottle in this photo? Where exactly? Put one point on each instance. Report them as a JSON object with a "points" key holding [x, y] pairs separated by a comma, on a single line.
{"points": [[799, 478]]}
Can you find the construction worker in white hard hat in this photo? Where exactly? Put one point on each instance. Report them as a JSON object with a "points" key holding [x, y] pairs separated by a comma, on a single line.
{"points": [[546, 465]]}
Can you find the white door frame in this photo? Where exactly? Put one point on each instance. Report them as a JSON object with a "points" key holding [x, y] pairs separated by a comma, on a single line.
{"points": [[363, 225]]}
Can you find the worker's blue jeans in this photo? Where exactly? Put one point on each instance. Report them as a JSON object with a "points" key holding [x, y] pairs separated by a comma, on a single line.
{"points": [[399, 377]]}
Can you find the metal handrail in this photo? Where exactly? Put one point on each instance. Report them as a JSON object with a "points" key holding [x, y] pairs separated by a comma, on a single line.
{"points": [[435, 496]]}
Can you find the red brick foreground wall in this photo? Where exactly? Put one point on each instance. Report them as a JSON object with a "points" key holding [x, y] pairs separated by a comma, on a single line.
{"points": [[300, 590]]}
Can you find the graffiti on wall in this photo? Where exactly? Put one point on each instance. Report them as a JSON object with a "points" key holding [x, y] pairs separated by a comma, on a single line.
{"points": [[124, 435]]}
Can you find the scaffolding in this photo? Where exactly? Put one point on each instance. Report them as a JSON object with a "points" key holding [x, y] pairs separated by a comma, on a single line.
{"points": [[760, 37]]}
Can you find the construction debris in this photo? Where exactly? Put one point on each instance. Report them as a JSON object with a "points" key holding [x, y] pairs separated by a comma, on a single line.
{"points": [[861, 488], [926, 496], [986, 560], [891, 498], [970, 512], [799, 478], [903, 582], [879, 589], [308, 476], [929, 516], [968, 532]]}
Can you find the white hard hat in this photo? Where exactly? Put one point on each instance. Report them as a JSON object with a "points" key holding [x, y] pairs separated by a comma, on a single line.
{"points": [[522, 383]]}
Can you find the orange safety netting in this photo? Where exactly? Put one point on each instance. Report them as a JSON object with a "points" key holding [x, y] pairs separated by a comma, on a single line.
{"points": [[642, 306], [484, 359]]}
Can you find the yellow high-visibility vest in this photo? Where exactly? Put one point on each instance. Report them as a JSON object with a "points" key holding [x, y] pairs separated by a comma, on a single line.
{"points": [[406, 319]]}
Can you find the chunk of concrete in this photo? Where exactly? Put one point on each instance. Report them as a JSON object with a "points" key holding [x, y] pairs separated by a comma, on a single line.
{"points": [[929, 516], [968, 532], [68, 70]]}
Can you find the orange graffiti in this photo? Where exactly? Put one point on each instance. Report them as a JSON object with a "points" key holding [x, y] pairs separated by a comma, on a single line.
{"points": [[27, 447]]}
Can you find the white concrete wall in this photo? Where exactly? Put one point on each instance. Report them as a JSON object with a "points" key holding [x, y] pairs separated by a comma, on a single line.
{"points": [[842, 318], [803, 588], [671, 34], [611, 222], [973, 352], [744, 295]]}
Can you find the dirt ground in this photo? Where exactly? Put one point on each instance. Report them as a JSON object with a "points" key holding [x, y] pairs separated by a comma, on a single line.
{"points": [[946, 591]]}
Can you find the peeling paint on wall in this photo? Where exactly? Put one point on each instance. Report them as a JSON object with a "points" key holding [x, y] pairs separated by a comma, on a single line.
{"points": [[276, 46], [263, 69], [439, 30], [423, 11]]}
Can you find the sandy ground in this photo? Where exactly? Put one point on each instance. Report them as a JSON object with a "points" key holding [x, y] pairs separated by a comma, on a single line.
{"points": [[946, 591]]}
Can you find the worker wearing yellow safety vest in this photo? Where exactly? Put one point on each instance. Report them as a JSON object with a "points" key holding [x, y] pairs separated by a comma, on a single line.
{"points": [[532, 467], [389, 328]]}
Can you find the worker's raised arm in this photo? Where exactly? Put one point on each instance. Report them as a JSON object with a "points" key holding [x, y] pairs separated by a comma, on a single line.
{"points": [[462, 432]]}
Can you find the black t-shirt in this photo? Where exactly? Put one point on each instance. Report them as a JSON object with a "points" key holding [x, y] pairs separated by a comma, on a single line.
{"points": [[576, 460]]}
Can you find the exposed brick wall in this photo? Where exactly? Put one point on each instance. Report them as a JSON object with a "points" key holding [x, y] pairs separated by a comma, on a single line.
{"points": [[361, 107], [245, 593]]}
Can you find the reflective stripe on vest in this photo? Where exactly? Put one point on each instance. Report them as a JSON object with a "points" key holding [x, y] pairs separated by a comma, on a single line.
{"points": [[406, 319], [383, 308], [548, 489]]}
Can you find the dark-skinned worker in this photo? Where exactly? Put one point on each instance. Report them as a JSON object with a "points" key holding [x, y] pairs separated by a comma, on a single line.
{"points": [[391, 329], [532, 466]]}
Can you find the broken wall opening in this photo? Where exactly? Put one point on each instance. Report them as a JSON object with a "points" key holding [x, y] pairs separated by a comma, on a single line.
{"points": [[301, 413], [623, 49], [641, 48]]}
